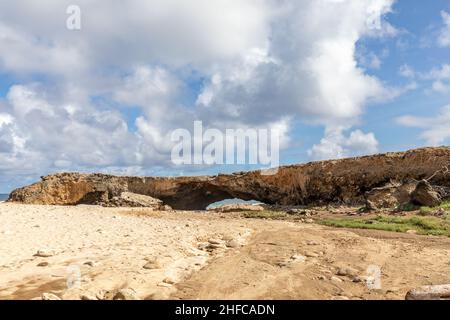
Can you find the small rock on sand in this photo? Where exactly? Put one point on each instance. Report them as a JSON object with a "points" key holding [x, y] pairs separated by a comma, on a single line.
{"points": [[347, 272], [44, 253], [88, 297], [336, 279], [215, 241], [42, 264], [340, 298], [310, 254], [233, 244], [169, 280], [359, 279], [215, 246], [50, 296], [125, 294], [152, 264], [164, 285], [298, 258]]}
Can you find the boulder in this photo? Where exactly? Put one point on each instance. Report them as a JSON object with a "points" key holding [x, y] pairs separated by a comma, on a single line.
{"points": [[129, 199], [426, 195], [437, 292], [390, 196]]}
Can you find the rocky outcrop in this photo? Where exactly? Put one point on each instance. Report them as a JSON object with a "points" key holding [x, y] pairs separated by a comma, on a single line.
{"points": [[425, 195], [393, 195], [134, 200], [237, 208], [399, 195], [338, 181]]}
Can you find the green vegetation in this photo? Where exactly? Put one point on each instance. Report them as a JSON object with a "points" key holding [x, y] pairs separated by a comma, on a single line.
{"points": [[423, 225], [407, 207], [429, 210], [266, 214]]}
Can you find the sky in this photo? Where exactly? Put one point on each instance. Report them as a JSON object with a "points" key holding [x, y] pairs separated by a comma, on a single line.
{"points": [[336, 78]]}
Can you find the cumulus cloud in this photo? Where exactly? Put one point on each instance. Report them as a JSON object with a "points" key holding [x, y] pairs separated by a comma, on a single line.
{"points": [[63, 135], [260, 64], [444, 35], [435, 130], [407, 71], [336, 144], [440, 78]]}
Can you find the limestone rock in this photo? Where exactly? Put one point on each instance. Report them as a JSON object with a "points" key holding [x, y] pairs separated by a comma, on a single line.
{"points": [[437, 292], [319, 183], [50, 296], [390, 196], [238, 208], [426, 195], [129, 199]]}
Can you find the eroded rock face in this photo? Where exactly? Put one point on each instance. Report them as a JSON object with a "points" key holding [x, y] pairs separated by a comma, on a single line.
{"points": [[134, 200], [338, 181], [426, 195], [392, 195]]}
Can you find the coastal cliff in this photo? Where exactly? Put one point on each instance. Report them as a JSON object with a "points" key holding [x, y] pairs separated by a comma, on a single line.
{"points": [[343, 181]]}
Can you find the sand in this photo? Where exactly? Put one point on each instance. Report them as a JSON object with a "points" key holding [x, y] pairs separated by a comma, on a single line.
{"points": [[107, 247], [92, 251]]}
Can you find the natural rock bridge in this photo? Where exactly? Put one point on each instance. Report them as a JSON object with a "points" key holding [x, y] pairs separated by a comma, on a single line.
{"points": [[338, 181]]}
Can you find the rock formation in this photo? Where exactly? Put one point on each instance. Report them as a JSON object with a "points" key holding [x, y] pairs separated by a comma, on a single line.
{"points": [[134, 200], [338, 181]]}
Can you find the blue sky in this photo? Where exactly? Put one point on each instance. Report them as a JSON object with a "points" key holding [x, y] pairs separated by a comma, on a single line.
{"points": [[106, 98]]}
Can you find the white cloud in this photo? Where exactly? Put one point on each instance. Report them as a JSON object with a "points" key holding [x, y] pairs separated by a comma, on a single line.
{"points": [[263, 63], [441, 79], [435, 130], [336, 144], [442, 73], [441, 87], [444, 35], [407, 71], [46, 135]]}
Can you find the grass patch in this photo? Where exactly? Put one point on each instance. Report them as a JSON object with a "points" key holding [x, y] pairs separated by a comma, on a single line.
{"points": [[423, 225], [428, 210], [407, 207], [266, 214]]}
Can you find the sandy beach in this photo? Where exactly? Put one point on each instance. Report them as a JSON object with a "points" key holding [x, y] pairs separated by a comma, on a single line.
{"points": [[89, 252], [107, 247]]}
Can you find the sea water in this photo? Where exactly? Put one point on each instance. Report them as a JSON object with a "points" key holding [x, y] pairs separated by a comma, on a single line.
{"points": [[3, 197]]}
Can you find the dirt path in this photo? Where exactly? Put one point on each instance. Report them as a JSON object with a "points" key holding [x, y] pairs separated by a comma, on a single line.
{"points": [[193, 255], [265, 268]]}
